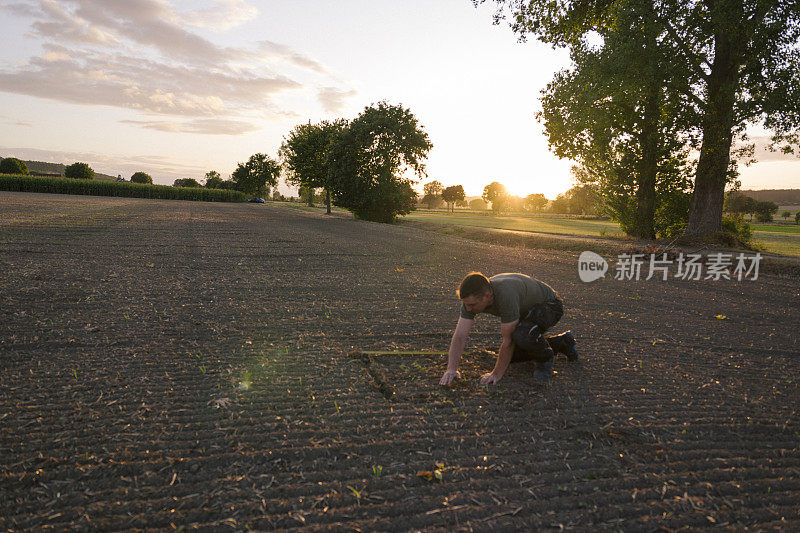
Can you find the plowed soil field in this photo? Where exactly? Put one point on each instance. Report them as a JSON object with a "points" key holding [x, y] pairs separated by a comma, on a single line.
{"points": [[179, 365]]}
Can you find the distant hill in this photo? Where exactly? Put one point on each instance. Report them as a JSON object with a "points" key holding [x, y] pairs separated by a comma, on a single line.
{"points": [[779, 196], [45, 168], [41, 167]]}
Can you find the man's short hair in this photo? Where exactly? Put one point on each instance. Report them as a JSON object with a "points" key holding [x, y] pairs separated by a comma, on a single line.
{"points": [[474, 284]]}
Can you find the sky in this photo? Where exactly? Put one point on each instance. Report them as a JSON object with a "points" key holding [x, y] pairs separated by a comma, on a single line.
{"points": [[179, 88]]}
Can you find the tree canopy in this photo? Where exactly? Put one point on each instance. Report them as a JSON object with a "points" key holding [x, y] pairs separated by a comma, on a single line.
{"points": [[79, 171], [186, 182], [141, 177], [12, 165], [373, 161], [495, 194], [453, 194], [305, 154], [613, 113], [434, 188], [535, 202], [213, 180], [256, 175], [432, 194]]}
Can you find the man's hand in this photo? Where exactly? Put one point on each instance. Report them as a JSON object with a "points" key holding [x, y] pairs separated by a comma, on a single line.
{"points": [[489, 379], [449, 376]]}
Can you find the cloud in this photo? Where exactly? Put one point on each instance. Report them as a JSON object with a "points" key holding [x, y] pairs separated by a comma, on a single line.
{"points": [[11, 121], [143, 85], [279, 51], [138, 54], [203, 126], [332, 99], [19, 9], [223, 15]]}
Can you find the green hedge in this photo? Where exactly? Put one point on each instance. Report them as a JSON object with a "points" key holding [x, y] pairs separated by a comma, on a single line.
{"points": [[111, 188]]}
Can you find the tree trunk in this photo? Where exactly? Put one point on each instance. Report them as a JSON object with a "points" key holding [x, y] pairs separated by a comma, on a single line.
{"points": [[705, 211], [644, 225], [328, 201]]}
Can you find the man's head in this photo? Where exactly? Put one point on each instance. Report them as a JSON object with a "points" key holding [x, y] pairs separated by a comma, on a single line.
{"points": [[475, 292]]}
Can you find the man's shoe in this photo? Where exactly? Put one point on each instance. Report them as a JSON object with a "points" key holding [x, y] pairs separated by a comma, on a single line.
{"points": [[543, 371], [569, 347]]}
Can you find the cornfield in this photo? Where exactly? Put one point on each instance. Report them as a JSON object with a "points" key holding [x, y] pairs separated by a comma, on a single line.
{"points": [[110, 188]]}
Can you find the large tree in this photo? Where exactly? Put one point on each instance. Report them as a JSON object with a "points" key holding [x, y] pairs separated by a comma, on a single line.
{"points": [[213, 180], [374, 160], [747, 53], [434, 187], [535, 202], [12, 165], [453, 194], [742, 67], [79, 171], [305, 154], [615, 114], [495, 193], [432, 194], [257, 175]]}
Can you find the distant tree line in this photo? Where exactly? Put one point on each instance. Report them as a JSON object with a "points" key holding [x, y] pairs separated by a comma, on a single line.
{"points": [[579, 200], [738, 205], [779, 196]]}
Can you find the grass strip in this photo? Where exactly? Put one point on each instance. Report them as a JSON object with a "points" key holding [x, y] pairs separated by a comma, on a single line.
{"points": [[110, 188]]}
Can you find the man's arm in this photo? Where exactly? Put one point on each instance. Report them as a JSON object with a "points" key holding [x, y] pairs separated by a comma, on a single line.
{"points": [[504, 356], [457, 344]]}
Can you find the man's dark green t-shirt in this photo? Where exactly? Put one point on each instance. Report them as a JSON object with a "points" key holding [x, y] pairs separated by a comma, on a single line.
{"points": [[514, 296]]}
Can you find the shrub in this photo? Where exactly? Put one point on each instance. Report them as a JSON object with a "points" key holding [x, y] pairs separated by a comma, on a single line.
{"points": [[765, 211], [111, 188], [738, 227], [141, 177], [797, 217], [12, 165], [79, 171]]}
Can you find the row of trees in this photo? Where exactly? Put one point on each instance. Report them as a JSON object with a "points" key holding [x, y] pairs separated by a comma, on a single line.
{"points": [[82, 171], [739, 205], [654, 82], [435, 194], [581, 199], [366, 165]]}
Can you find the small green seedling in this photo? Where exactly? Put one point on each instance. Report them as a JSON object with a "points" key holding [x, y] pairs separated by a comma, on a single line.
{"points": [[356, 493]]}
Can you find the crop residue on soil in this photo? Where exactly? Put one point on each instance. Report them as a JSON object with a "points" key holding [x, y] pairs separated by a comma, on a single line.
{"points": [[190, 365]]}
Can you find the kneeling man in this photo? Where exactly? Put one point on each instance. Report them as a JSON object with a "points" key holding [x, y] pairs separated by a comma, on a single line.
{"points": [[527, 308]]}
